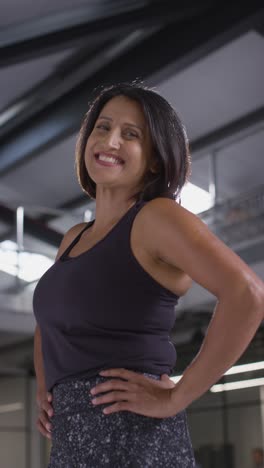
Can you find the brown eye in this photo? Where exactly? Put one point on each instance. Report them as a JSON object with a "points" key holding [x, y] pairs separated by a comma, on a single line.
{"points": [[131, 134], [102, 127]]}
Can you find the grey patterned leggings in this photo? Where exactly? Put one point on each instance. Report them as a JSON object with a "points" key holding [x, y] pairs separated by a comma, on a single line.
{"points": [[84, 437]]}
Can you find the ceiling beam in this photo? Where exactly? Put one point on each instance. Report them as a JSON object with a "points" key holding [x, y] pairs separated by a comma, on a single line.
{"points": [[32, 227], [69, 74], [230, 133], [83, 24], [62, 117]]}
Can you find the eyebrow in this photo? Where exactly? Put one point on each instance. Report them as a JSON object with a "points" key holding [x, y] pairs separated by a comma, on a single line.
{"points": [[125, 123]]}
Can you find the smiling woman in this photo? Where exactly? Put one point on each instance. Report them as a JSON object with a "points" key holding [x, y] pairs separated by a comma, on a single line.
{"points": [[105, 309], [120, 138], [146, 119]]}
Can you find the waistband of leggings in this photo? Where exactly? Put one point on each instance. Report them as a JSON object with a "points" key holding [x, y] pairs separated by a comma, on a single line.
{"points": [[77, 382]]}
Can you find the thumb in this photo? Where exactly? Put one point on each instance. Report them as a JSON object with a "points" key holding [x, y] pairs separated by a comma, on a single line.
{"points": [[168, 383], [49, 396]]}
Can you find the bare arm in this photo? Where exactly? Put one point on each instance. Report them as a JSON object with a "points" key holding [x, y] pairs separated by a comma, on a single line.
{"points": [[174, 235], [44, 398], [184, 241], [38, 362], [235, 321]]}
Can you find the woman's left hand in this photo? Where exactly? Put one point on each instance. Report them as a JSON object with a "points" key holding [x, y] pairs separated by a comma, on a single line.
{"points": [[137, 393]]}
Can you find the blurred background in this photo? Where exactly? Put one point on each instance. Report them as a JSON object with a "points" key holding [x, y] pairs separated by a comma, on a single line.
{"points": [[207, 59]]}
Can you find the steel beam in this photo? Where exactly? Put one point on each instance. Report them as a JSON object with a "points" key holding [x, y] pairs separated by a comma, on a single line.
{"points": [[87, 23], [68, 75], [230, 133], [32, 227], [188, 39]]}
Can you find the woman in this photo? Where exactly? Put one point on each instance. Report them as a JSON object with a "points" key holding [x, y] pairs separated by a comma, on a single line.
{"points": [[106, 307]]}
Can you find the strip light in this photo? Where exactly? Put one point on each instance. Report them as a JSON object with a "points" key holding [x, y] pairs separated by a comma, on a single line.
{"points": [[11, 407], [237, 385], [253, 366]]}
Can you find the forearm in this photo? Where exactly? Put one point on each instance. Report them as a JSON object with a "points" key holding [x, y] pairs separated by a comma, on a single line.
{"points": [[232, 327], [38, 362]]}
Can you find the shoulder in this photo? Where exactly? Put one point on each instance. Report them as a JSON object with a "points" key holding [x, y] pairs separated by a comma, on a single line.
{"points": [[165, 207], [166, 210], [181, 239], [162, 218], [69, 237]]}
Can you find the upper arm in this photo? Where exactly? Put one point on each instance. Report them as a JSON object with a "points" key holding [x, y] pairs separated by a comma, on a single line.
{"points": [[68, 238], [183, 240]]}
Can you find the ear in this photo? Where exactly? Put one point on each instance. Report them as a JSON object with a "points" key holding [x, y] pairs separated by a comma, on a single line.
{"points": [[154, 169], [155, 166]]}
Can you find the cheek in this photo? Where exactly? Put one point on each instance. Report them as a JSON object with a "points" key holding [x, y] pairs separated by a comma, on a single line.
{"points": [[137, 151], [141, 156], [88, 145], [91, 140], [88, 149]]}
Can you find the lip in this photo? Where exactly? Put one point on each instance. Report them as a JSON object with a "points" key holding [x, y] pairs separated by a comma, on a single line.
{"points": [[104, 163]]}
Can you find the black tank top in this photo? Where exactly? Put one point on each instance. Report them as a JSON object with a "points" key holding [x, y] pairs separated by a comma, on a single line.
{"points": [[101, 310]]}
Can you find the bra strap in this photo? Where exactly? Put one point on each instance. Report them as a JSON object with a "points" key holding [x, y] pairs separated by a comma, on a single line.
{"points": [[75, 240]]}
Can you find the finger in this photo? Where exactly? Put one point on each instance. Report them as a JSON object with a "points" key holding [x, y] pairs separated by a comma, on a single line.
{"points": [[113, 385], [168, 383], [164, 382], [42, 429], [114, 396], [49, 397], [46, 406], [44, 419], [47, 428], [120, 406]]}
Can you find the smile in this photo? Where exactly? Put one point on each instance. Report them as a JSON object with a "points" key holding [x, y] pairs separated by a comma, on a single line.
{"points": [[108, 160]]}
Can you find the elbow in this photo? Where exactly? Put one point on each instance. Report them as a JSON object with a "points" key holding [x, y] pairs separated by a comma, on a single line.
{"points": [[256, 293], [260, 302], [248, 293]]}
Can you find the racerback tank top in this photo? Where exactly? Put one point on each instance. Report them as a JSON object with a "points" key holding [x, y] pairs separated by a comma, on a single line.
{"points": [[102, 310]]}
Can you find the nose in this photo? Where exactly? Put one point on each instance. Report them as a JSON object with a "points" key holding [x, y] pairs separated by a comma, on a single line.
{"points": [[114, 138]]}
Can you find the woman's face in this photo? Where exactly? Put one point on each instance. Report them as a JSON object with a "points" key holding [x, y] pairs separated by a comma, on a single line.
{"points": [[120, 131]]}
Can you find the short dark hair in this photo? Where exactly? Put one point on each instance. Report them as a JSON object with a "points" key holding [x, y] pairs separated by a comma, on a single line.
{"points": [[168, 135]]}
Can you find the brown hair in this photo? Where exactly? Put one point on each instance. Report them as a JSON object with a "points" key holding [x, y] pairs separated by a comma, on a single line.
{"points": [[168, 135]]}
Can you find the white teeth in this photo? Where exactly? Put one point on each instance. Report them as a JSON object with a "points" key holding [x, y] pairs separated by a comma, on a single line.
{"points": [[111, 159]]}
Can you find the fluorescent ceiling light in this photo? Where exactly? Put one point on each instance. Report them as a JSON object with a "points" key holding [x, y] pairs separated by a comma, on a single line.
{"points": [[252, 366], [11, 407], [195, 199], [237, 385], [27, 266]]}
